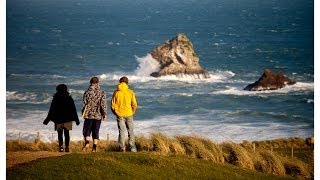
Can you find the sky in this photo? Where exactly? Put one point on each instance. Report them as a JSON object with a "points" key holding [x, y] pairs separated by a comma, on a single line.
{"points": [[3, 87]]}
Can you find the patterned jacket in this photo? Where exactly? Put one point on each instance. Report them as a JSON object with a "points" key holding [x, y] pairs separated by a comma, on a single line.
{"points": [[94, 103]]}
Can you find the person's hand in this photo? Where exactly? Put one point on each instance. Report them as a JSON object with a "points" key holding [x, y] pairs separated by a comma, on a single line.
{"points": [[77, 123], [104, 118]]}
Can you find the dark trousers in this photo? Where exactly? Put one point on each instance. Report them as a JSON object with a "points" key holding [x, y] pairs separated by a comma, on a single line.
{"points": [[66, 137], [91, 126]]}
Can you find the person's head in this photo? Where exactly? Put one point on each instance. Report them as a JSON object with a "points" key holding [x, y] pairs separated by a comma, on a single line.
{"points": [[124, 79], [94, 80], [62, 89]]}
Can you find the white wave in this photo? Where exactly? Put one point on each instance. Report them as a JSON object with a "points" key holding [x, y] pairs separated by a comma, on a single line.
{"points": [[218, 130], [74, 91], [299, 86], [215, 77], [28, 97], [39, 75], [14, 95], [147, 65], [310, 101], [184, 94]]}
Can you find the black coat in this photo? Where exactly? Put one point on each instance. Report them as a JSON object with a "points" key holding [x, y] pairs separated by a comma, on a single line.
{"points": [[62, 110]]}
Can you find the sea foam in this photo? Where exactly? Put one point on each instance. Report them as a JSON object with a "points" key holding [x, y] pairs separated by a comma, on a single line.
{"points": [[27, 127], [148, 65]]}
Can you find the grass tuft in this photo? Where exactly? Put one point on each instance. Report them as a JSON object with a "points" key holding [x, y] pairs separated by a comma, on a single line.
{"points": [[296, 168], [237, 155], [200, 148], [268, 162]]}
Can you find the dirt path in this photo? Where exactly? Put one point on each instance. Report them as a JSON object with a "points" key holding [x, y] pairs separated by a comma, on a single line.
{"points": [[14, 158]]}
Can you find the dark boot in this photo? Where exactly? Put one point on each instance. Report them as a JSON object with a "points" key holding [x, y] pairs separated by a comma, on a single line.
{"points": [[85, 146], [94, 148], [61, 149]]}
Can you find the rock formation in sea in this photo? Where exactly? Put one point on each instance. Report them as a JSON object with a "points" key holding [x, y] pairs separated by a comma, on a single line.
{"points": [[270, 81], [176, 56]]}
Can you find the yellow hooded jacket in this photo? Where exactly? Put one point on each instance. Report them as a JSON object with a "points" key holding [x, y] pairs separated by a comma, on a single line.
{"points": [[124, 101]]}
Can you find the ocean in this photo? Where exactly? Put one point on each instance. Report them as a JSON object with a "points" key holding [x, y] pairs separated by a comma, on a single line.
{"points": [[54, 42]]}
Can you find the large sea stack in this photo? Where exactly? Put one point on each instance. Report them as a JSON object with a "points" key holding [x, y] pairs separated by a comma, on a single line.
{"points": [[270, 81], [176, 56]]}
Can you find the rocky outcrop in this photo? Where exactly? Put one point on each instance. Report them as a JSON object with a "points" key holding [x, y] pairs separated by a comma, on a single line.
{"points": [[176, 56], [270, 81]]}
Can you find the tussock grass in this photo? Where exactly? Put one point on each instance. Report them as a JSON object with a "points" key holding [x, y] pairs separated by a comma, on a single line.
{"points": [[201, 148], [255, 156], [160, 143], [268, 162], [237, 155], [28, 146], [143, 143], [296, 168]]}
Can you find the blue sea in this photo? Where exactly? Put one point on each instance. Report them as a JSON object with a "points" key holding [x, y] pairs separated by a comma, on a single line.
{"points": [[54, 42]]}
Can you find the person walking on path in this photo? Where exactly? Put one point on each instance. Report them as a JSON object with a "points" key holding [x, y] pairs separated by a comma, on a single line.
{"points": [[94, 110], [62, 112], [124, 106]]}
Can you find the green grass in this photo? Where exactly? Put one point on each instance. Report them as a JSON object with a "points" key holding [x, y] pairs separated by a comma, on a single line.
{"points": [[141, 165]]}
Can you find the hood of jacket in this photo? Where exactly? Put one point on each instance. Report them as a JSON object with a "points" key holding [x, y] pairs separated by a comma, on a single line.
{"points": [[94, 87], [122, 87]]}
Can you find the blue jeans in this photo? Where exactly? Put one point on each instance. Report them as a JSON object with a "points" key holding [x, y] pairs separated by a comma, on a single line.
{"points": [[126, 122]]}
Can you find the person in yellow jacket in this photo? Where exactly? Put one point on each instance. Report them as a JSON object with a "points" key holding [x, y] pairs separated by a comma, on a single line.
{"points": [[124, 106]]}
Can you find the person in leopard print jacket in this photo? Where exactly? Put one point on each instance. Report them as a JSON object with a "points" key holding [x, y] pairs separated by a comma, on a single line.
{"points": [[94, 110]]}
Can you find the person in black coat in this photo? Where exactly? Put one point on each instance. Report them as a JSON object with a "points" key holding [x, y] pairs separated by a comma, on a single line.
{"points": [[62, 112]]}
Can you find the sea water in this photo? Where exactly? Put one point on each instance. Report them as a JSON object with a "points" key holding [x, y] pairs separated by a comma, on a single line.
{"points": [[54, 42]]}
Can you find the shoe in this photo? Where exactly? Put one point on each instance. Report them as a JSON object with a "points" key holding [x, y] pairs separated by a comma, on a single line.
{"points": [[60, 149], [133, 150], [123, 149], [67, 149], [85, 146], [94, 148]]}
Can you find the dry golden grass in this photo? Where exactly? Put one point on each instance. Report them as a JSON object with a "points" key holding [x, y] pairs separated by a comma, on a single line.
{"points": [[296, 168], [237, 155], [268, 162], [143, 143], [160, 143], [201, 148]]}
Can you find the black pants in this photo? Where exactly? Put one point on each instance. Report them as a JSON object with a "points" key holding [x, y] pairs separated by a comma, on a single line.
{"points": [[66, 137], [91, 126]]}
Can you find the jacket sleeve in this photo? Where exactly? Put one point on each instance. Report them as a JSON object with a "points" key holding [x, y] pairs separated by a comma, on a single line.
{"points": [[113, 103], [50, 113], [84, 102], [103, 105], [134, 103], [74, 111]]}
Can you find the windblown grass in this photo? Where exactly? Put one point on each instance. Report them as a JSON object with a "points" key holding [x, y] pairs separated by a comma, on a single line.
{"points": [[237, 155], [271, 157], [296, 168], [268, 162], [201, 148]]}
